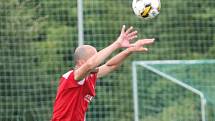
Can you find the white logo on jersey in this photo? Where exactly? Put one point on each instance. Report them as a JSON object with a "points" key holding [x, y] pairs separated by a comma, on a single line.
{"points": [[88, 98]]}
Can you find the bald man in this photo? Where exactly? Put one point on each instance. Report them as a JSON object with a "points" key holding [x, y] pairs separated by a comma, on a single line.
{"points": [[77, 87]]}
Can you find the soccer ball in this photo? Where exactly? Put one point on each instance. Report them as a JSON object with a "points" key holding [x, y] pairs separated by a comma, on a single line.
{"points": [[146, 9]]}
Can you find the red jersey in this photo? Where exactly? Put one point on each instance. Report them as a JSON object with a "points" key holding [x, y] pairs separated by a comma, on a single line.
{"points": [[73, 97]]}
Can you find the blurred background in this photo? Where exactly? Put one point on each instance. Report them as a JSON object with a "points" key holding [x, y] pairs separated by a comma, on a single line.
{"points": [[38, 37]]}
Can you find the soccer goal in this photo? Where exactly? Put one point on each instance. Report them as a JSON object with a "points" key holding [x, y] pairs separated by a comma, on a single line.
{"points": [[174, 90]]}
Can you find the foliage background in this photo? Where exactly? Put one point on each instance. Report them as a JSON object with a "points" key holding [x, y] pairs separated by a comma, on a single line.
{"points": [[38, 37]]}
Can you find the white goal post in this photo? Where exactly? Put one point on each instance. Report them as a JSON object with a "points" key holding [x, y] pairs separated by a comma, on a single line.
{"points": [[146, 65]]}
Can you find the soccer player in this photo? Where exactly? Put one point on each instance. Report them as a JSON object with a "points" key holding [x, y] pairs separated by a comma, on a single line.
{"points": [[77, 87]]}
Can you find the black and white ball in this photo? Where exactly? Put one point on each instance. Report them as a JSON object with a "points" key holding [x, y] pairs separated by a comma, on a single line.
{"points": [[146, 9]]}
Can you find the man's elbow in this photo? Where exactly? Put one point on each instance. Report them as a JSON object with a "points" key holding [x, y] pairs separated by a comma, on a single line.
{"points": [[90, 65], [113, 67]]}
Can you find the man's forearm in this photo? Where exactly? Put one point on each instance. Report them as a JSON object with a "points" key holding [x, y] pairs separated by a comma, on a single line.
{"points": [[98, 58], [113, 63], [119, 58]]}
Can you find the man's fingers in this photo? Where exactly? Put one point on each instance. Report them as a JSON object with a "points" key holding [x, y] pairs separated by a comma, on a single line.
{"points": [[123, 29], [129, 30], [146, 41], [144, 49], [134, 33], [132, 37]]}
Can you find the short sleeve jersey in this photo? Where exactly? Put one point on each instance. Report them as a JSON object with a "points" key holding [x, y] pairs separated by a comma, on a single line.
{"points": [[73, 97]]}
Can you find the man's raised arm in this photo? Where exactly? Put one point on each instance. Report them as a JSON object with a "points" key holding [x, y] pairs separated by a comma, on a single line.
{"points": [[98, 58], [114, 62]]}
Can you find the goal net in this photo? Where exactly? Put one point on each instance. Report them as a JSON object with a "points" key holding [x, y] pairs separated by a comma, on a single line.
{"points": [[174, 90]]}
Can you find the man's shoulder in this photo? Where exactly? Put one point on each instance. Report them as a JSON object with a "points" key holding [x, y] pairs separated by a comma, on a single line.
{"points": [[67, 74], [67, 80]]}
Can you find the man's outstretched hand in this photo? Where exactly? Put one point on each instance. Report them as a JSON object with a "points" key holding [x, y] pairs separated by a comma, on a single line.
{"points": [[126, 36], [138, 46]]}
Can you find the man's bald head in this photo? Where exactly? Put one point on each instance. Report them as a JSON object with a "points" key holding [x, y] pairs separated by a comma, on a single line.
{"points": [[84, 52]]}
